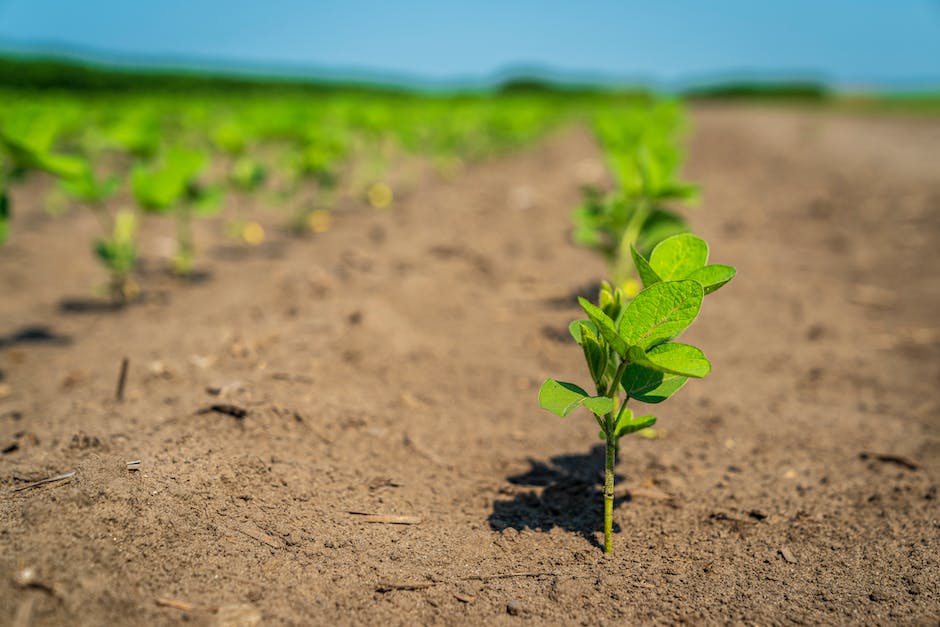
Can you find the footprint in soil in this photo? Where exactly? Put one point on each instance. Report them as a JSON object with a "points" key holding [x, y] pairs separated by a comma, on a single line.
{"points": [[570, 499]]}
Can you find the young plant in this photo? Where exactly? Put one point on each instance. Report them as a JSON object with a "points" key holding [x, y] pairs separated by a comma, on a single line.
{"points": [[118, 253], [644, 156], [26, 148], [116, 250], [629, 348], [173, 187]]}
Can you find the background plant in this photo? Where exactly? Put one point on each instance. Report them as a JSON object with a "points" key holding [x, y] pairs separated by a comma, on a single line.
{"points": [[173, 187], [643, 153]]}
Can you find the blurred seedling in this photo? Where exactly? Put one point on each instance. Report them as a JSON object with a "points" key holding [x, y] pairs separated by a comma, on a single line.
{"points": [[118, 253], [26, 144], [629, 347], [233, 137], [644, 157], [172, 187], [116, 249], [318, 159]]}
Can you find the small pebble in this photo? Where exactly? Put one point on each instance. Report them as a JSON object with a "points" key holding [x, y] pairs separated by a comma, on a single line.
{"points": [[514, 607]]}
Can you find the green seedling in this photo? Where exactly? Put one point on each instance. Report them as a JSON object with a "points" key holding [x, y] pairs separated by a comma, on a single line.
{"points": [[644, 157], [233, 138], [21, 152], [172, 187], [246, 174], [116, 250], [629, 348], [319, 159], [118, 253]]}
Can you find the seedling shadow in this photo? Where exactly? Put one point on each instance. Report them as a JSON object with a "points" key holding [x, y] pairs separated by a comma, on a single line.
{"points": [[570, 300], [239, 252], [569, 494], [100, 305], [33, 334]]}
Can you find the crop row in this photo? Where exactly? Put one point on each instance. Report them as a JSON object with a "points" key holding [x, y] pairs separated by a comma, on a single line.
{"points": [[181, 157]]}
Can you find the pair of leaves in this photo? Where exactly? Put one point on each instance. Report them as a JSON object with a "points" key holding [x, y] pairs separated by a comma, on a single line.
{"points": [[119, 252], [680, 257], [25, 155], [657, 314], [158, 189], [562, 398], [628, 424], [657, 367]]}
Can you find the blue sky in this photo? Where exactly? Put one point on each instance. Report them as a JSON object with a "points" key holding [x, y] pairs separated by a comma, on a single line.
{"points": [[852, 43]]}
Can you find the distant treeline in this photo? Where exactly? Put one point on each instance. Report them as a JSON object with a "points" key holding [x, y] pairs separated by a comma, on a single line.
{"points": [[64, 74], [803, 91], [60, 73]]}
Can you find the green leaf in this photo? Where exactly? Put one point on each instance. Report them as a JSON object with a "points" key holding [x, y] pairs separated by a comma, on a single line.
{"points": [[643, 268], [628, 424], [207, 201], [660, 313], [575, 328], [606, 326], [650, 386], [713, 276], [594, 353], [660, 225], [562, 398], [678, 256], [64, 166], [672, 358]]}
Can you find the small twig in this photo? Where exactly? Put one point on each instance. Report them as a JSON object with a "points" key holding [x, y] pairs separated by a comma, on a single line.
{"points": [[122, 379], [388, 586], [225, 408], [387, 519], [506, 576], [34, 484], [176, 604], [890, 459]]}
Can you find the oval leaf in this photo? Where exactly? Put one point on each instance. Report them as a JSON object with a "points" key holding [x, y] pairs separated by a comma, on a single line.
{"points": [[575, 328], [650, 386], [561, 398], [628, 424], [660, 313], [643, 268], [673, 358], [713, 276], [606, 326], [678, 256]]}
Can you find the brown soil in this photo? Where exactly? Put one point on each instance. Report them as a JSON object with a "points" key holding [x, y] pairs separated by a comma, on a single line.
{"points": [[391, 367]]}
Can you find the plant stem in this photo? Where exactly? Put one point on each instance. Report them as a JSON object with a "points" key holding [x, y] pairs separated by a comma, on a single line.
{"points": [[184, 242], [609, 492], [623, 269], [610, 430]]}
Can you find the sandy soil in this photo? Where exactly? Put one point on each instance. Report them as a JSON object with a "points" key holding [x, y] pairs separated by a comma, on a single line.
{"points": [[391, 366]]}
